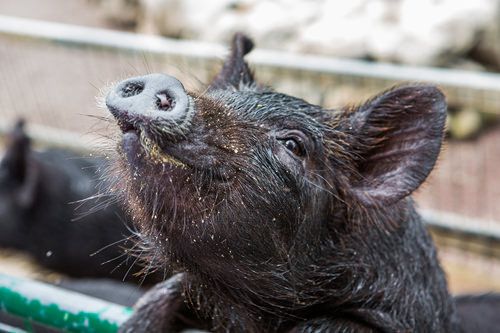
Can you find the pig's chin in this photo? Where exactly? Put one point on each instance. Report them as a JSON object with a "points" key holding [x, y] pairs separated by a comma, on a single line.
{"points": [[139, 154], [131, 146]]}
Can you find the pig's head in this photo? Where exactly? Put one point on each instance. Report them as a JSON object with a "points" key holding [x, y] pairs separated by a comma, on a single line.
{"points": [[18, 181], [242, 176]]}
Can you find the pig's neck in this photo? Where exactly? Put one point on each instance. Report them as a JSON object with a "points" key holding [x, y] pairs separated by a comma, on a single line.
{"points": [[389, 273]]}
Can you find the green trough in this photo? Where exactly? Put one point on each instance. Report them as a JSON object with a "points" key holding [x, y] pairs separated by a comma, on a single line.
{"points": [[58, 308]]}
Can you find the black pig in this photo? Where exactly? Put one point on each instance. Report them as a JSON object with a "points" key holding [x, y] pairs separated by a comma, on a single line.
{"points": [[279, 215], [36, 189], [479, 313]]}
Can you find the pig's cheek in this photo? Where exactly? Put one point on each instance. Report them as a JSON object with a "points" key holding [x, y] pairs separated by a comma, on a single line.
{"points": [[292, 164]]}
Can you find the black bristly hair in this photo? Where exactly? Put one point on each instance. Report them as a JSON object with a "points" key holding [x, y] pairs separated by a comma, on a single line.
{"points": [[271, 240]]}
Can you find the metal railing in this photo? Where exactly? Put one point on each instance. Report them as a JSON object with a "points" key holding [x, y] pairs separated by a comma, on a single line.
{"points": [[55, 307]]}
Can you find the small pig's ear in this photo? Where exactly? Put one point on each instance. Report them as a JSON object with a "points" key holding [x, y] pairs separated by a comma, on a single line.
{"points": [[400, 134], [17, 167], [235, 71], [14, 162]]}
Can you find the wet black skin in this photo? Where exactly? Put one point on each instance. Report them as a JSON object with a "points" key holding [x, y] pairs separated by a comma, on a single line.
{"points": [[278, 215]]}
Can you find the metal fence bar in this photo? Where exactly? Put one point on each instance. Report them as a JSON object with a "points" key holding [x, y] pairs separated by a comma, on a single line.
{"points": [[469, 234], [55, 137], [9, 329], [125, 41], [59, 308], [468, 226], [465, 88]]}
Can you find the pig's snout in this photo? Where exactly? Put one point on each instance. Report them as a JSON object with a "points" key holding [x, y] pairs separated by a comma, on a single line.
{"points": [[154, 97]]}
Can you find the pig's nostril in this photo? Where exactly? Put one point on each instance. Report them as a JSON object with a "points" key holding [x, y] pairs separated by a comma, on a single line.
{"points": [[132, 89], [164, 101], [148, 98]]}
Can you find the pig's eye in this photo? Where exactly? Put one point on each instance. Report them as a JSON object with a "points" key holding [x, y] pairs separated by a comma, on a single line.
{"points": [[294, 146]]}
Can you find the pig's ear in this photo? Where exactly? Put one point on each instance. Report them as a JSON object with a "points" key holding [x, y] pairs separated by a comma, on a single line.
{"points": [[16, 167], [400, 134], [14, 162], [235, 72]]}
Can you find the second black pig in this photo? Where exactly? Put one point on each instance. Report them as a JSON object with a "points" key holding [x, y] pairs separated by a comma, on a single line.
{"points": [[38, 191]]}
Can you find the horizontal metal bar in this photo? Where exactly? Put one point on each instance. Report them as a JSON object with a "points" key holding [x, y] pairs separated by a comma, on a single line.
{"points": [[54, 137], [59, 308], [9, 329], [471, 227], [85, 36]]}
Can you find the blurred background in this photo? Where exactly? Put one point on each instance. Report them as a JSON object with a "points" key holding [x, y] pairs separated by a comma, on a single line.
{"points": [[56, 56]]}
